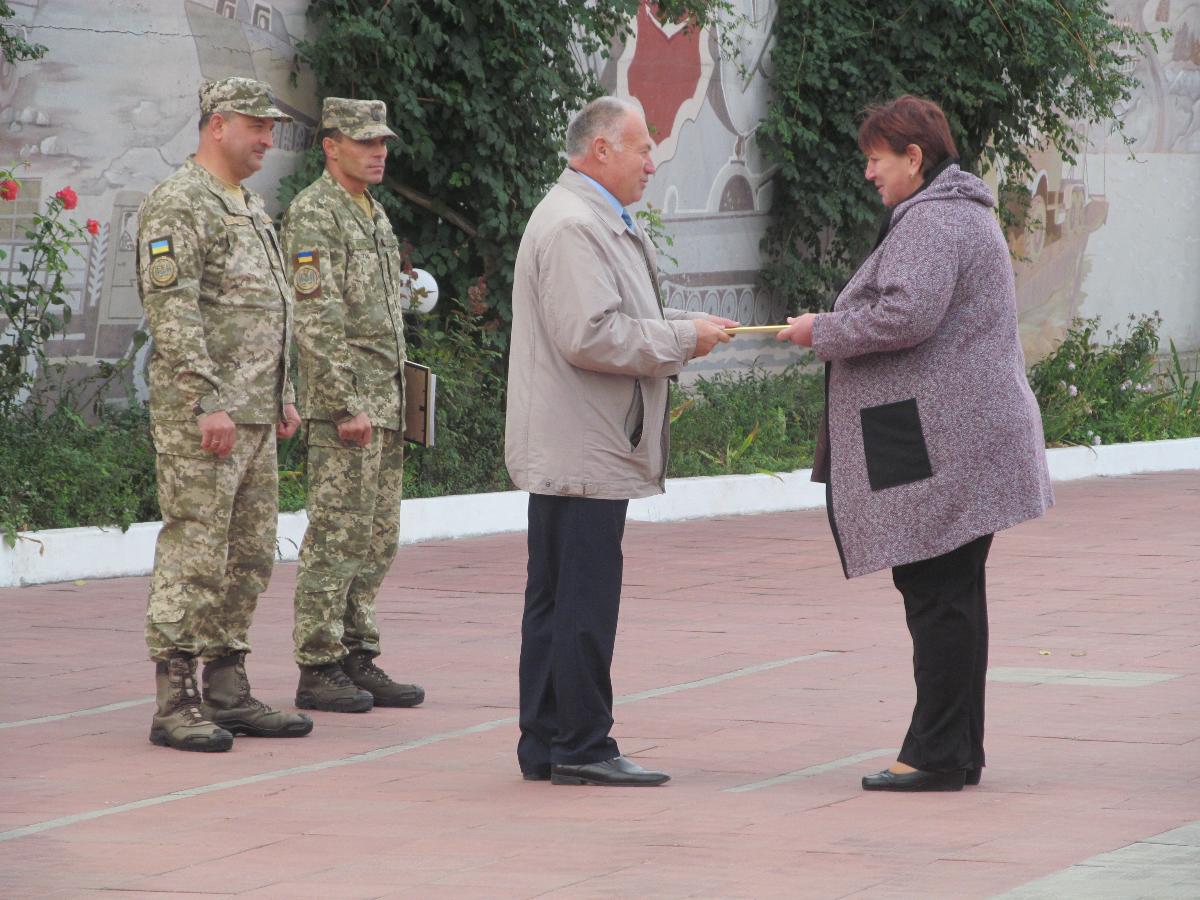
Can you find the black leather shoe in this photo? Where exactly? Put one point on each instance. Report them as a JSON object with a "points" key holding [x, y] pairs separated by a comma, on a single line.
{"points": [[536, 772], [974, 776], [915, 781], [617, 771]]}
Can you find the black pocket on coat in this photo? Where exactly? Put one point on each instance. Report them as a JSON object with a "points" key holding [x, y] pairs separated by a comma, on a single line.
{"points": [[894, 445]]}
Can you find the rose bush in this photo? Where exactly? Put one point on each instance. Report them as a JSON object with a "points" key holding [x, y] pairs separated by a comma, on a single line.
{"points": [[33, 301]]}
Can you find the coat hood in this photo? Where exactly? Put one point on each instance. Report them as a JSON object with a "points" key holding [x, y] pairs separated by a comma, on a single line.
{"points": [[951, 183]]}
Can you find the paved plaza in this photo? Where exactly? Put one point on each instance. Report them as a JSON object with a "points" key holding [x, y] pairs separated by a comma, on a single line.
{"points": [[746, 666]]}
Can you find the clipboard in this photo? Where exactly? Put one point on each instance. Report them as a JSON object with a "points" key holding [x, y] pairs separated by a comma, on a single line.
{"points": [[420, 404]]}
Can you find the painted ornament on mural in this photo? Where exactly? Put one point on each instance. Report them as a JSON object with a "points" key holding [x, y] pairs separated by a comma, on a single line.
{"points": [[1049, 254], [712, 185]]}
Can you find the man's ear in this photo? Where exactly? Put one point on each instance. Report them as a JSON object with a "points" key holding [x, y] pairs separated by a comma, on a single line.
{"points": [[601, 148]]}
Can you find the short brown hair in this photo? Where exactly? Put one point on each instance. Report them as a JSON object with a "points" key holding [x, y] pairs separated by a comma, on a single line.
{"points": [[908, 120]]}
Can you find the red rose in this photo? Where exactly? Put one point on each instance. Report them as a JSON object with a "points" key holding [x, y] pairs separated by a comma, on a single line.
{"points": [[68, 197], [93, 226], [9, 189]]}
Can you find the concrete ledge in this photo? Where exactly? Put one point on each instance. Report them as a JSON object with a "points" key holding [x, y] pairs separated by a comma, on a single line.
{"points": [[68, 554]]}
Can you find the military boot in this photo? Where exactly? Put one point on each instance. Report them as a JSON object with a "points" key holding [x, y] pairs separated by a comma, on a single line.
{"points": [[228, 702], [327, 687], [178, 721], [360, 666]]}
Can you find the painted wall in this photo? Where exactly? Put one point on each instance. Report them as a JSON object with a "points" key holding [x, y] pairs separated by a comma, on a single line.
{"points": [[112, 110], [1120, 236]]}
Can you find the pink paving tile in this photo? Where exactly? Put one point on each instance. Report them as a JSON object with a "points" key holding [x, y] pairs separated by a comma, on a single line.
{"points": [[1075, 770]]}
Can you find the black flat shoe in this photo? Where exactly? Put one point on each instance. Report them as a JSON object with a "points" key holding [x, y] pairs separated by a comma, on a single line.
{"points": [[618, 771], [915, 781], [974, 776], [535, 771]]}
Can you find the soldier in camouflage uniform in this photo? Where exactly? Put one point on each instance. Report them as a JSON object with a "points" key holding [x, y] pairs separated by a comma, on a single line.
{"points": [[350, 293], [215, 290]]}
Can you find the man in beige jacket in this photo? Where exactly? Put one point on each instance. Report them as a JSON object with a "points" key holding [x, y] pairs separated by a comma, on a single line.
{"points": [[592, 351]]}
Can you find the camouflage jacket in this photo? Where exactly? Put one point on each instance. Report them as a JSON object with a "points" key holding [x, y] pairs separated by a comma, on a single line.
{"points": [[350, 296], [212, 280]]}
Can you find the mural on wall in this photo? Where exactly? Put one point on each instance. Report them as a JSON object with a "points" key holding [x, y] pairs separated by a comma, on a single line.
{"points": [[713, 187], [1164, 115], [112, 125], [112, 129], [1060, 273], [712, 184]]}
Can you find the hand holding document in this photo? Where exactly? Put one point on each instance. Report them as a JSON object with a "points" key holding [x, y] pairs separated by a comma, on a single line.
{"points": [[799, 330]]}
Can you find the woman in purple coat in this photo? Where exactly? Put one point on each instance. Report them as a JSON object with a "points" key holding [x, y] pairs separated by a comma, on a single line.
{"points": [[932, 440]]}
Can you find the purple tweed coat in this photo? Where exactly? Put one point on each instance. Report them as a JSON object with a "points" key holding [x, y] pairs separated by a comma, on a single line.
{"points": [[934, 437]]}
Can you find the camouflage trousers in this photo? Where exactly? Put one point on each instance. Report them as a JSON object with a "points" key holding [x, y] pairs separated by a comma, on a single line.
{"points": [[217, 545], [353, 529]]}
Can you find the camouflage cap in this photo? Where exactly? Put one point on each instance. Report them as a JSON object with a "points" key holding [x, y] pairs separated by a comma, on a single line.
{"points": [[359, 120], [240, 95]]}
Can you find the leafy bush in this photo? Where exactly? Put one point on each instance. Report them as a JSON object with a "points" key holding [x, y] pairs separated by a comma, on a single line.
{"points": [[739, 423], [1092, 393], [469, 455], [60, 472]]}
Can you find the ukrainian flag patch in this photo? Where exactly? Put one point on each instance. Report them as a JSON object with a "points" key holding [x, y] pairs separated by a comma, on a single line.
{"points": [[306, 273], [159, 246]]}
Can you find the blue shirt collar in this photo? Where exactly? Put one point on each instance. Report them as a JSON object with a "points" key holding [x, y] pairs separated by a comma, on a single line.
{"points": [[613, 201]]}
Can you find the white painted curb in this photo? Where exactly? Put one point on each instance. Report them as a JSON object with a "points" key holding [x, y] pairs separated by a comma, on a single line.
{"points": [[68, 554]]}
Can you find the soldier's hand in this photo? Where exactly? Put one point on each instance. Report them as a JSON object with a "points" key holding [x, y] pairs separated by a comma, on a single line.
{"points": [[708, 335], [217, 433], [356, 430], [290, 422]]}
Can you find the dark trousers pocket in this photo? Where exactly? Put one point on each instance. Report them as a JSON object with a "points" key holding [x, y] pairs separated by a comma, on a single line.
{"points": [[894, 444]]}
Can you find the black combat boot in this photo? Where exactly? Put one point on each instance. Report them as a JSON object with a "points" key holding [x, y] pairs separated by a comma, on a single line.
{"points": [[178, 721], [228, 702], [327, 687], [360, 666]]}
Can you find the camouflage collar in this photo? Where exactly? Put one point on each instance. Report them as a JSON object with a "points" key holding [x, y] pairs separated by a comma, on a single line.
{"points": [[331, 184], [220, 189]]}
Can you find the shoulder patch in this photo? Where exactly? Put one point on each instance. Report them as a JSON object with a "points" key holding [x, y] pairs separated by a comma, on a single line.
{"points": [[306, 272], [163, 270]]}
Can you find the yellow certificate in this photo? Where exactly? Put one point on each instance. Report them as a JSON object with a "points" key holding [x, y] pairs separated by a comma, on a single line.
{"points": [[756, 329]]}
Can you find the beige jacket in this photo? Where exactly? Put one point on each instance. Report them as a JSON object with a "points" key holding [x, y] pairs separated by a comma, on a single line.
{"points": [[592, 350]]}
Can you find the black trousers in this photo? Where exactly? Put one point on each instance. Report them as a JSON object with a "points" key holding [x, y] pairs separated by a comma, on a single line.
{"points": [[569, 629], [945, 604]]}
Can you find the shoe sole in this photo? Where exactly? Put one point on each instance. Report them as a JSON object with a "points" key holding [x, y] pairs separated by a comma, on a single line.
{"points": [[215, 744], [576, 780], [926, 788], [349, 705], [401, 704], [298, 729]]}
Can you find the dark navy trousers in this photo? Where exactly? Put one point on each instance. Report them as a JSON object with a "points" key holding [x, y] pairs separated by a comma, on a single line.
{"points": [[569, 629], [945, 605]]}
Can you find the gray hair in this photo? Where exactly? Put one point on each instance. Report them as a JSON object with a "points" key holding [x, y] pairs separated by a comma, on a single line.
{"points": [[600, 118]]}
